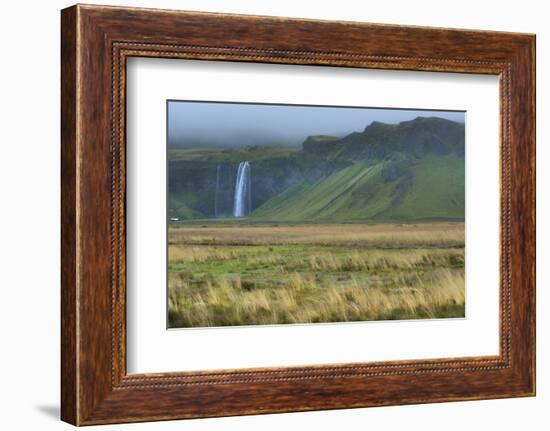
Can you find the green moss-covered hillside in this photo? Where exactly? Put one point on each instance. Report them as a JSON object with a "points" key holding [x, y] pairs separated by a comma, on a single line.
{"points": [[413, 170]]}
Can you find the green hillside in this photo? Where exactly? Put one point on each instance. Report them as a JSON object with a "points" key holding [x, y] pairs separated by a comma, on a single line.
{"points": [[413, 170], [438, 190], [395, 189]]}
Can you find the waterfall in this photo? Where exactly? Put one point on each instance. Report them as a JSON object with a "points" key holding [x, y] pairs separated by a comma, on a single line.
{"points": [[242, 196]]}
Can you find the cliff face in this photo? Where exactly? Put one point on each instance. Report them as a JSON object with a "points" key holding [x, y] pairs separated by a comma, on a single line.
{"points": [[204, 188]]}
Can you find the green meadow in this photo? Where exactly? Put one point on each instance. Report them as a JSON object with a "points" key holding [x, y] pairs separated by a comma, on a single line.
{"points": [[248, 274]]}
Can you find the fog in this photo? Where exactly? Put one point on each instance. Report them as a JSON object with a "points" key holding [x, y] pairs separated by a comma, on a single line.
{"points": [[192, 124]]}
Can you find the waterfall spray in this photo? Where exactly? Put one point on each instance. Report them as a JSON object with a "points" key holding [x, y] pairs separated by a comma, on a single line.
{"points": [[242, 197]]}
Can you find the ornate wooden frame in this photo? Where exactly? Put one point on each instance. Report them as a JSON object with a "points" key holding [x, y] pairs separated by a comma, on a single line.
{"points": [[95, 42]]}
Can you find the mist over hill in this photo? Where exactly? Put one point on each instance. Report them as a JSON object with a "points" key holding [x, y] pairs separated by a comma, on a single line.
{"points": [[413, 170], [193, 124], [237, 139]]}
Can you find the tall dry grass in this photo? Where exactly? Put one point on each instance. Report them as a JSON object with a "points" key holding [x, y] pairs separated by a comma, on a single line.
{"points": [[248, 275], [300, 300], [178, 254], [384, 260]]}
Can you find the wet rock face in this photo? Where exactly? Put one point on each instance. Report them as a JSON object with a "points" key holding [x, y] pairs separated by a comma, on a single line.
{"points": [[224, 191], [194, 183]]}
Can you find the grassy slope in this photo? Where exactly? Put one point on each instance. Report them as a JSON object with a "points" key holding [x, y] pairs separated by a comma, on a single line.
{"points": [[322, 200], [439, 184], [359, 192]]}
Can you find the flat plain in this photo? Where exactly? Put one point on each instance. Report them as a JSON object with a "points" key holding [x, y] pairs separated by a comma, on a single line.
{"points": [[245, 273]]}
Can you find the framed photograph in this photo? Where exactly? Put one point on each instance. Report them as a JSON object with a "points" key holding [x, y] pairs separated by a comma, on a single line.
{"points": [[265, 215]]}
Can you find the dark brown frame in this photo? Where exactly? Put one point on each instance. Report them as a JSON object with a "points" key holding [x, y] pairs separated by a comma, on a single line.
{"points": [[95, 43]]}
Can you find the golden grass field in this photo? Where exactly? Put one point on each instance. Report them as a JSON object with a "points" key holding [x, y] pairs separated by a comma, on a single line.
{"points": [[246, 274]]}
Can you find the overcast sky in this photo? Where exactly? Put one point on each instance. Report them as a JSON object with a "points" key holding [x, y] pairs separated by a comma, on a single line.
{"points": [[240, 124]]}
